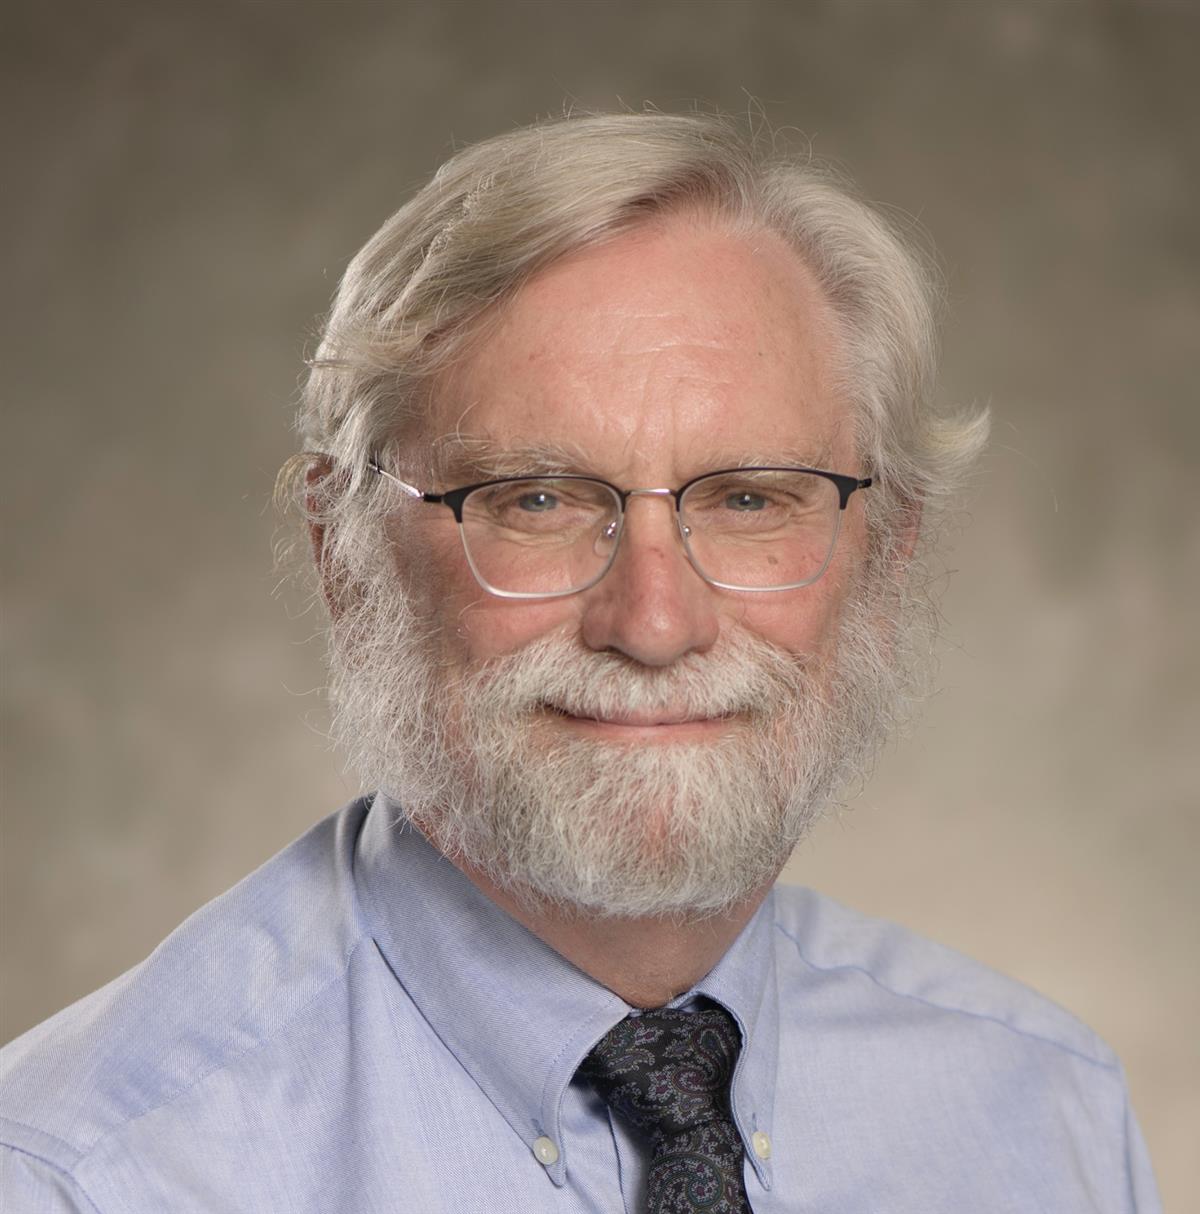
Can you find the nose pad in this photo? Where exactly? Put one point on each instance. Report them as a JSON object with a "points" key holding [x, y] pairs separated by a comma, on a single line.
{"points": [[606, 538]]}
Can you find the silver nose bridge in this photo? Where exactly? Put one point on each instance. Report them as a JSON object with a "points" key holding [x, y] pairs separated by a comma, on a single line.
{"points": [[684, 531], [652, 493]]}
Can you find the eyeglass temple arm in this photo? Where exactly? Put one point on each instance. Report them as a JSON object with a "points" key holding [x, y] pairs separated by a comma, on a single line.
{"points": [[411, 490]]}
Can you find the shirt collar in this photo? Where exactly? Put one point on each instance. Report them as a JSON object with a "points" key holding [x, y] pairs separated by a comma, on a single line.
{"points": [[517, 1015], [743, 982]]}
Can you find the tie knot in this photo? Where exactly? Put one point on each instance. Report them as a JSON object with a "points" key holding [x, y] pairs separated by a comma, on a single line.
{"points": [[667, 1072]]}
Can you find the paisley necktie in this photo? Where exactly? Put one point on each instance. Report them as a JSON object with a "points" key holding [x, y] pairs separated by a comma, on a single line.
{"points": [[667, 1074]]}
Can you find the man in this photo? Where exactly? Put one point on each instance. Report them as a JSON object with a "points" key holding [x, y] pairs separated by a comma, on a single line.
{"points": [[620, 450]]}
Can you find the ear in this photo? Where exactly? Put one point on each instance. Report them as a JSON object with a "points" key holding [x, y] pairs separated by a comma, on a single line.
{"points": [[331, 590]]}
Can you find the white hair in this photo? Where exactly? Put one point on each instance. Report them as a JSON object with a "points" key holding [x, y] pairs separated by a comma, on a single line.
{"points": [[501, 210]]}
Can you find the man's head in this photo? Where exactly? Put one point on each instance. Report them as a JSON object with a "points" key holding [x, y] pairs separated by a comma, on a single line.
{"points": [[642, 300]]}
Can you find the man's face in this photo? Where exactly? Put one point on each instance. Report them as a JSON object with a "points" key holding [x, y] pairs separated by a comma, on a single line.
{"points": [[671, 352], [653, 728]]}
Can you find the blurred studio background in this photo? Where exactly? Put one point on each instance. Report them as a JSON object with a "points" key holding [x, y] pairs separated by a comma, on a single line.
{"points": [[186, 182]]}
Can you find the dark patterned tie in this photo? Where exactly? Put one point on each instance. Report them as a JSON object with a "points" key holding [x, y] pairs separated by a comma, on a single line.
{"points": [[667, 1074]]}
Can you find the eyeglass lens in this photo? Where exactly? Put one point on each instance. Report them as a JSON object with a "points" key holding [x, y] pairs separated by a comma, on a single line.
{"points": [[748, 530]]}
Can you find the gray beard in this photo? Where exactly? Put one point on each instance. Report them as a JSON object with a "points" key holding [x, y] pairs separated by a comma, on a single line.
{"points": [[564, 821]]}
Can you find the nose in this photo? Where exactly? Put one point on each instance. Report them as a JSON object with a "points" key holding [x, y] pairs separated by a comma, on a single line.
{"points": [[652, 605]]}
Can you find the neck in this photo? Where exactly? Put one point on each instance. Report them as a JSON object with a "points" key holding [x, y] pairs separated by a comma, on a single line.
{"points": [[646, 961]]}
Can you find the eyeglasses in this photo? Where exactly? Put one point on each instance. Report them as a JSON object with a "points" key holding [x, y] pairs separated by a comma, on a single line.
{"points": [[543, 537]]}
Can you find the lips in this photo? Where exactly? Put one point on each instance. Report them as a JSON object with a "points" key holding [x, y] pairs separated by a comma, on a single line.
{"points": [[646, 718]]}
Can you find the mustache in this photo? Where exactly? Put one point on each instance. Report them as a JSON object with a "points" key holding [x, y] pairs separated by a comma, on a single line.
{"points": [[741, 675]]}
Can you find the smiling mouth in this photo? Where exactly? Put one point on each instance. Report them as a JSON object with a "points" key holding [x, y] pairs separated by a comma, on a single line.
{"points": [[650, 720]]}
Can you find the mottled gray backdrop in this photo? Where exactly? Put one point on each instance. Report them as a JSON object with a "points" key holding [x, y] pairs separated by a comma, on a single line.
{"points": [[184, 184]]}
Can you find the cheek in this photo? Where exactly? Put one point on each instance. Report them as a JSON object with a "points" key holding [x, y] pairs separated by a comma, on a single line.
{"points": [[806, 622], [801, 622], [489, 627], [473, 625]]}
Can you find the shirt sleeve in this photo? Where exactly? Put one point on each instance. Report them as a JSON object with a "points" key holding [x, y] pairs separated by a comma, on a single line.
{"points": [[32, 1186]]}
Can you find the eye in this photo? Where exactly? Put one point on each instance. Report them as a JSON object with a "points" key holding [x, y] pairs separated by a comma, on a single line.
{"points": [[745, 501], [538, 502]]}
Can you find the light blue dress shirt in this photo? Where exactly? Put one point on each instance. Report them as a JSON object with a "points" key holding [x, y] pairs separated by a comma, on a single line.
{"points": [[355, 1028]]}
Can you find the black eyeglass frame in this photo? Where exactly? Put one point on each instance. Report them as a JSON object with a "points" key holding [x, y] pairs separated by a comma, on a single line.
{"points": [[454, 498]]}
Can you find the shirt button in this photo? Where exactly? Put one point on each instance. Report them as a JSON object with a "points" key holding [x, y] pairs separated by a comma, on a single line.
{"points": [[545, 1150], [762, 1144]]}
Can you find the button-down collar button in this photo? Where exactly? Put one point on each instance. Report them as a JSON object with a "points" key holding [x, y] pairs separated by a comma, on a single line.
{"points": [[546, 1151], [762, 1145]]}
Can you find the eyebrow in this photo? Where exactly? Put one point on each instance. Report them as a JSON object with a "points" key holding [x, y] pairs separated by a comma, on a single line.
{"points": [[460, 458], [464, 456], [782, 457]]}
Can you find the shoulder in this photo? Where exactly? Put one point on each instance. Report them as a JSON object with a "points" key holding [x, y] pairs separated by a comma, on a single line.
{"points": [[232, 977], [989, 1093], [821, 942]]}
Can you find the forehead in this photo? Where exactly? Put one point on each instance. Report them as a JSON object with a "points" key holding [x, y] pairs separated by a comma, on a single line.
{"points": [[679, 346]]}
